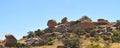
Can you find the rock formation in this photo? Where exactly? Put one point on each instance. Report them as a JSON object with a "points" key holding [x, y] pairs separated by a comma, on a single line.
{"points": [[10, 40], [51, 26], [2, 46], [85, 19], [61, 28], [64, 20], [51, 23]]}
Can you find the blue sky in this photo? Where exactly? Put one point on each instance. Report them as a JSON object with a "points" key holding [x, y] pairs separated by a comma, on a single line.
{"points": [[17, 17]]}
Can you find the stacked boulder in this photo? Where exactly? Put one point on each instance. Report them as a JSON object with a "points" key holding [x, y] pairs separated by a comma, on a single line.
{"points": [[51, 25]]}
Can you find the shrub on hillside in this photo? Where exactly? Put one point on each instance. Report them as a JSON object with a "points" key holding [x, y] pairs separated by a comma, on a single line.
{"points": [[71, 43], [116, 36], [79, 31], [94, 39], [50, 43], [20, 45], [106, 38], [94, 46]]}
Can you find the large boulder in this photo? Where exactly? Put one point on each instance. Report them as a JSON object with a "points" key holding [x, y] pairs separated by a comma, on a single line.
{"points": [[64, 20], [2, 46], [85, 19], [51, 23], [61, 28], [10, 40]]}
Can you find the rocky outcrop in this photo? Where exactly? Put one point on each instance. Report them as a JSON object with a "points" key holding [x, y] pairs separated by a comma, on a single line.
{"points": [[61, 28], [102, 22], [10, 40], [51, 26], [85, 19], [2, 46], [64, 20], [51, 23]]}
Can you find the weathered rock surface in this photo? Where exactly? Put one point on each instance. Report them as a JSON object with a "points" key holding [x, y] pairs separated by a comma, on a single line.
{"points": [[10, 40], [61, 28], [64, 20], [51, 23], [2, 46]]}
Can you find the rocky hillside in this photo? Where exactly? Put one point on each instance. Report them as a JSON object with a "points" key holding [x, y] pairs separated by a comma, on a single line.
{"points": [[82, 33]]}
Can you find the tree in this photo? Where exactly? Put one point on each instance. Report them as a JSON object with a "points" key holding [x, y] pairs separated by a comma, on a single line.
{"points": [[30, 34], [38, 32]]}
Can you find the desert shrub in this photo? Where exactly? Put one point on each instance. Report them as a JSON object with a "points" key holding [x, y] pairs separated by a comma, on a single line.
{"points": [[93, 33], [51, 38], [79, 31], [30, 34], [106, 47], [116, 36], [38, 32], [106, 38], [20, 45], [50, 43], [94, 46], [94, 39], [71, 43]]}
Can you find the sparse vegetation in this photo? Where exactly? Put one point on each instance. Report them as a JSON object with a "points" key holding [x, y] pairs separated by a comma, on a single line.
{"points": [[19, 45], [94, 35], [50, 43], [94, 46], [79, 31], [38, 32], [71, 43], [116, 36], [30, 34]]}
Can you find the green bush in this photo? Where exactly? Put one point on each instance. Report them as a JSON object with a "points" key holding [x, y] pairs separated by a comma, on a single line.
{"points": [[20, 45], [51, 39], [71, 43], [107, 47], [79, 31], [116, 36], [94, 46], [94, 39], [106, 38], [50, 43]]}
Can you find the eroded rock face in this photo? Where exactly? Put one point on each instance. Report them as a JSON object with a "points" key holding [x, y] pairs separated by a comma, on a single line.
{"points": [[2, 46], [85, 19], [61, 28], [10, 40], [64, 20], [51, 23]]}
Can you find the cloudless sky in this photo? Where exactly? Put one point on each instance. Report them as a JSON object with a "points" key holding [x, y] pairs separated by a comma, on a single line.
{"points": [[17, 17]]}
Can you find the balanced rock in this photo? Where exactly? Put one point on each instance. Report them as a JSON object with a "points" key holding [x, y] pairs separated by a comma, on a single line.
{"points": [[51, 23], [10, 40], [64, 20]]}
